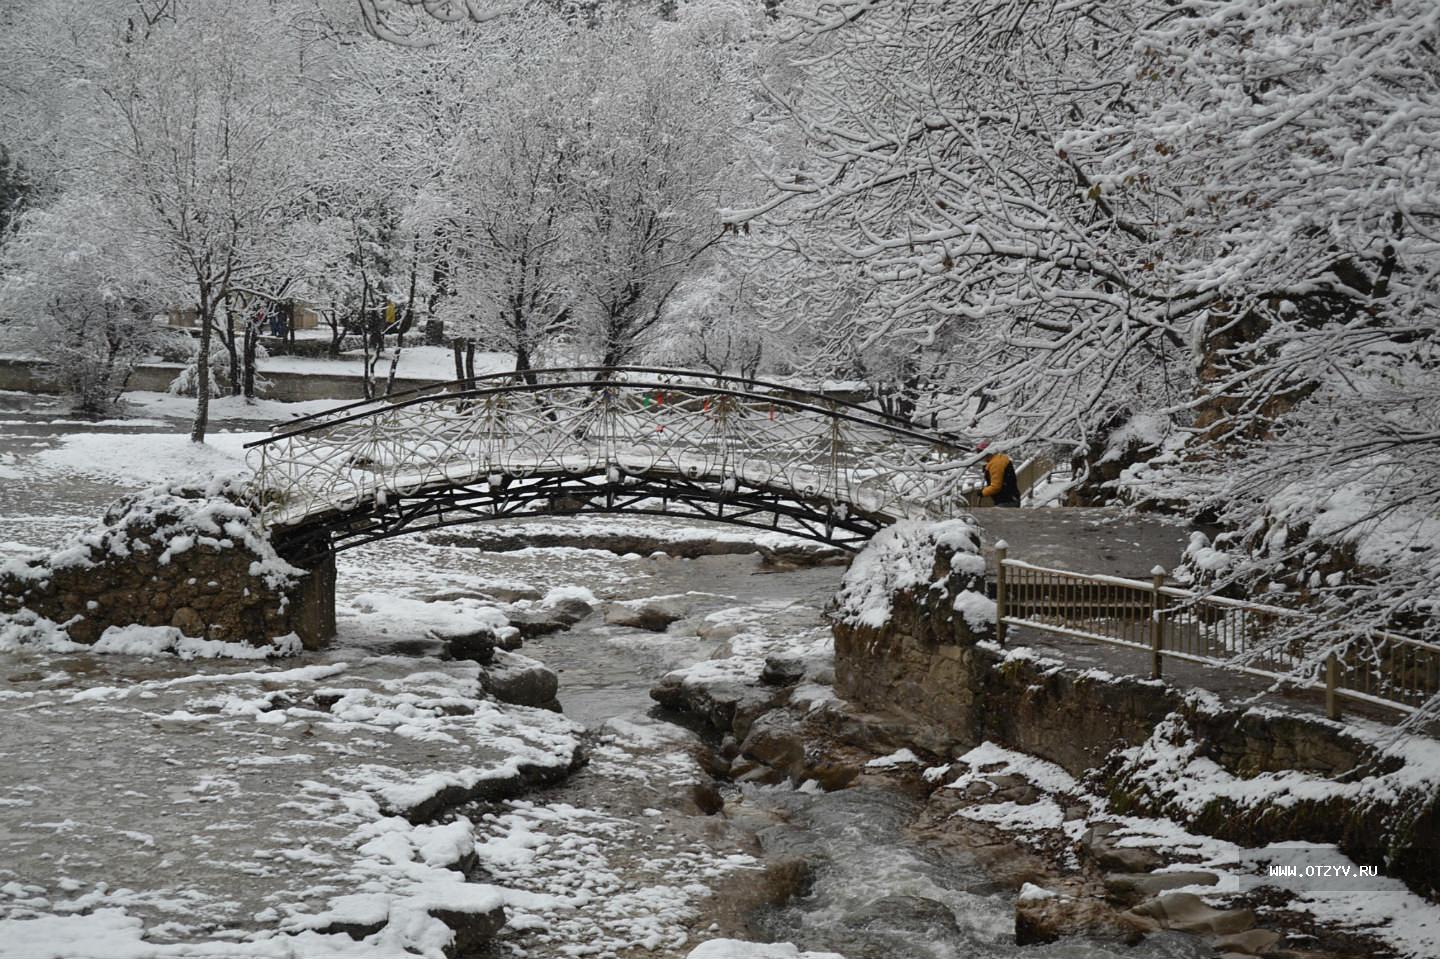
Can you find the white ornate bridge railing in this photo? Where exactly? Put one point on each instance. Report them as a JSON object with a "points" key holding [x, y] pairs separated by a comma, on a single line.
{"points": [[623, 424]]}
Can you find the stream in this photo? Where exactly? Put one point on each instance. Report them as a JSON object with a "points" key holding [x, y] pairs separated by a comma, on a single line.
{"points": [[619, 858]]}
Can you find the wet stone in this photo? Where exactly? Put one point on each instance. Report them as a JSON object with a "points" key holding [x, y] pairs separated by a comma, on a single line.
{"points": [[1186, 912], [517, 679], [478, 646], [1039, 921], [1147, 885], [782, 671], [1254, 942], [651, 615]]}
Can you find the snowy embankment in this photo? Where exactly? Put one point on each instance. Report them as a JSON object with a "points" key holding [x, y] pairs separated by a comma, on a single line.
{"points": [[791, 731], [415, 363], [146, 458], [1039, 806], [170, 559]]}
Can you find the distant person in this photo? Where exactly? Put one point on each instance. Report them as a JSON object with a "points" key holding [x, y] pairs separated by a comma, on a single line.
{"points": [[1000, 483]]}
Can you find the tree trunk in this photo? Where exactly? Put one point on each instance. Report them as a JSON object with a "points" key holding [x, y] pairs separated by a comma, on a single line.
{"points": [[522, 364], [230, 348], [202, 373], [459, 359], [469, 363], [365, 337], [400, 333], [338, 328], [252, 342]]}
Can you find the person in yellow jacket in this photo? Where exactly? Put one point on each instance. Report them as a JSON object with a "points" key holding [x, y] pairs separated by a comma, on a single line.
{"points": [[1000, 483]]}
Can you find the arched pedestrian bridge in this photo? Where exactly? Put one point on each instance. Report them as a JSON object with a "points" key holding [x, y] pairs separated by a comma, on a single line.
{"points": [[603, 440]]}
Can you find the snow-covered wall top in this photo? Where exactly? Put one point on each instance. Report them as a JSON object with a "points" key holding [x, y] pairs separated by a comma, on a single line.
{"points": [[165, 521], [906, 556]]}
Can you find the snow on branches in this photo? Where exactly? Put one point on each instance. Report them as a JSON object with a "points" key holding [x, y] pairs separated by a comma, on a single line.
{"points": [[1221, 215]]}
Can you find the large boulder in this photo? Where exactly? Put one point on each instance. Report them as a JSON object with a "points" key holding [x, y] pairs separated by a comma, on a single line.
{"points": [[1042, 918], [1187, 912], [512, 678], [547, 618], [653, 615]]}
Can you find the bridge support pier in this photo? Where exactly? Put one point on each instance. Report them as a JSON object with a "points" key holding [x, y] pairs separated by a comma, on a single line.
{"points": [[312, 604]]}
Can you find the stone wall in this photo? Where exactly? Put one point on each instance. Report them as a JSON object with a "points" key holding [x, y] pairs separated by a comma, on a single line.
{"points": [[191, 559], [30, 376], [1138, 741]]}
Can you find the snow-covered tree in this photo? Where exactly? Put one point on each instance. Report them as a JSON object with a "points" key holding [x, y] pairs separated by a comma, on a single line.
{"points": [[72, 294], [1221, 214], [187, 118], [658, 156]]}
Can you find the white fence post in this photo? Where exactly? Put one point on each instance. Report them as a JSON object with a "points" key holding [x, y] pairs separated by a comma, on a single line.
{"points": [[1001, 547], [1157, 622]]}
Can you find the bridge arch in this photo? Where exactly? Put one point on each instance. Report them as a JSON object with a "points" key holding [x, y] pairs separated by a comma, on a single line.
{"points": [[577, 440]]}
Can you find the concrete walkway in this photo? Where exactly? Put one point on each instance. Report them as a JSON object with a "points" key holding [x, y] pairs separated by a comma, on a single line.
{"points": [[1099, 540], [1108, 541]]}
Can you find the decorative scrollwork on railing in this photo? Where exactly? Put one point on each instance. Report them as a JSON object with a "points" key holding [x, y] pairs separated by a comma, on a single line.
{"points": [[620, 424]]}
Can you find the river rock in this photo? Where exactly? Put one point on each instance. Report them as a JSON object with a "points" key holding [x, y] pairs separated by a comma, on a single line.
{"points": [[717, 631], [1128, 858], [776, 740], [762, 776], [512, 678], [782, 670], [715, 765], [478, 645], [1014, 788], [1255, 942], [652, 615], [1149, 885], [726, 706], [472, 929], [1109, 855], [1050, 919], [544, 620], [1187, 912], [833, 775]]}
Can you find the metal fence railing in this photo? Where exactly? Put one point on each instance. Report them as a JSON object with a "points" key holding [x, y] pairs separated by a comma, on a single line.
{"points": [[1254, 638]]}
